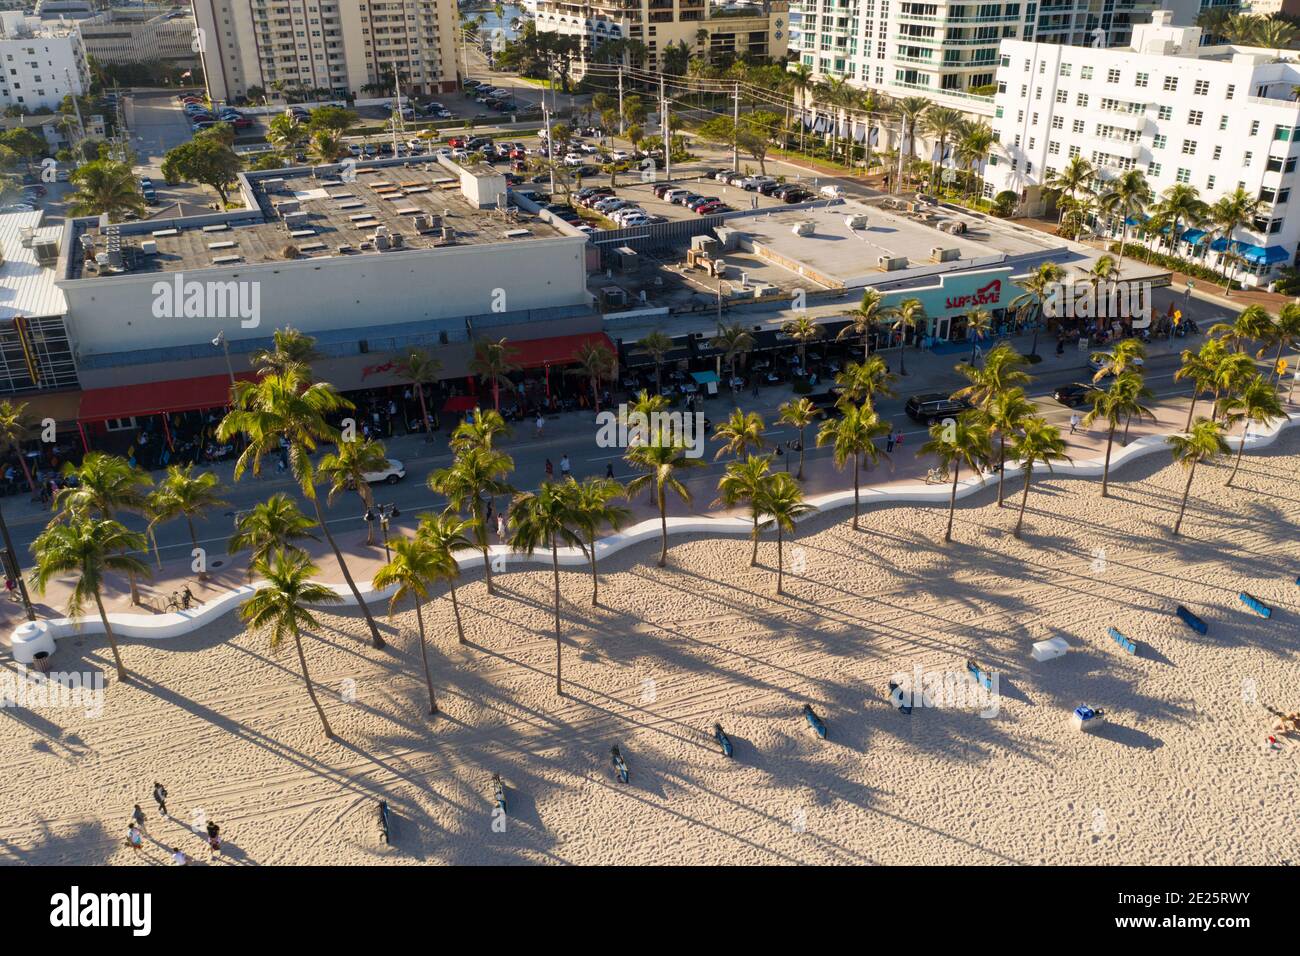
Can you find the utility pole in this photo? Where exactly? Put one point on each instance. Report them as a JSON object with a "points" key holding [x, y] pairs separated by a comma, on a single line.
{"points": [[620, 101], [735, 128], [902, 131], [397, 109], [666, 130], [550, 146]]}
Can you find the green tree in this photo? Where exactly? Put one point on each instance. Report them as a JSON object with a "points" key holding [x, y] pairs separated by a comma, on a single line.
{"points": [[908, 314], [1122, 399], [733, 341], [345, 469], [964, 440], [662, 461], [203, 161], [1037, 441], [415, 564], [740, 432], [657, 345], [271, 525], [852, 437], [182, 494], [593, 510], [1006, 413], [743, 482], [474, 475], [290, 349], [105, 186], [803, 330], [1204, 442], [491, 363], [1256, 404], [418, 367], [781, 500], [864, 319], [799, 413], [446, 534], [104, 486]]}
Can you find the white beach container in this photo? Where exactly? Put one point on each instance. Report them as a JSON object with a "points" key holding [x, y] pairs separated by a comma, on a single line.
{"points": [[1049, 649]]}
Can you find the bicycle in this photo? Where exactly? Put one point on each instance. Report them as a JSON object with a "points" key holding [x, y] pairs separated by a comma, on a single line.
{"points": [[181, 600], [937, 476]]}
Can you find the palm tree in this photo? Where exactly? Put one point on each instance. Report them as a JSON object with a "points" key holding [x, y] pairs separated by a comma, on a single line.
{"points": [[853, 436], [446, 534], [864, 319], [862, 383], [976, 141], [1204, 442], [1128, 197], [491, 364], [800, 79], [105, 486], [656, 345], [965, 440], [345, 469], [661, 462], [290, 349], [739, 433], [598, 364], [105, 186], [1121, 400], [419, 368], [1230, 376], [1077, 176], [803, 330], [732, 341], [910, 109], [544, 519], [1252, 324], [326, 146], [800, 414], [1003, 368], [474, 474], [781, 499], [284, 405], [1103, 270], [908, 314], [271, 525], [182, 494], [1181, 203], [1037, 441], [1236, 210], [978, 324], [744, 481], [1286, 332], [88, 547], [481, 430], [943, 124], [1200, 367], [1257, 403], [1126, 355], [1038, 287], [593, 511], [415, 564], [1006, 412], [280, 608], [13, 426]]}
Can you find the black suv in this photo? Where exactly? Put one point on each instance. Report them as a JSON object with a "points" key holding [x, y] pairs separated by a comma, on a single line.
{"points": [[934, 407]]}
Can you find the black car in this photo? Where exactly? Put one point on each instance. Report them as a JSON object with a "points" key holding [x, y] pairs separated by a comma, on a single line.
{"points": [[934, 407], [797, 195], [826, 402], [1074, 394], [768, 189]]}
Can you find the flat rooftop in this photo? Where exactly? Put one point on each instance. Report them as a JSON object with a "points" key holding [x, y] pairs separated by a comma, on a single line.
{"points": [[27, 286], [320, 215], [836, 255]]}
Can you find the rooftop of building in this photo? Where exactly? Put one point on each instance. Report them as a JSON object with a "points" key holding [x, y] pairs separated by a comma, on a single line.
{"points": [[313, 213], [27, 273]]}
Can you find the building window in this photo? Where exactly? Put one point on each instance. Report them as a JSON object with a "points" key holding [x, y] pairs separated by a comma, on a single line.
{"points": [[1201, 87], [1081, 99], [1194, 118], [1153, 169], [1074, 151], [1246, 158], [1077, 126], [1232, 88], [1184, 175], [1141, 80], [1112, 76], [1171, 84], [1254, 127], [1189, 147], [1053, 148], [1065, 69], [1165, 113], [1061, 96], [1281, 134], [1058, 122], [1086, 73], [1218, 153], [1223, 122], [1159, 141], [1209, 183]]}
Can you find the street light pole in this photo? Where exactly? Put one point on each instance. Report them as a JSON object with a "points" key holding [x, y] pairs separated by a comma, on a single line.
{"points": [[221, 343]]}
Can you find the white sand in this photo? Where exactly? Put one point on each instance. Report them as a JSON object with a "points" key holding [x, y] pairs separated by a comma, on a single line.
{"points": [[1180, 775]]}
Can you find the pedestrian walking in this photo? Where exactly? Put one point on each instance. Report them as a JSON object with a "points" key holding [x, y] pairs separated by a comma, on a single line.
{"points": [[550, 470], [609, 471], [565, 467], [890, 442], [160, 797], [137, 817], [501, 526], [133, 838], [541, 423], [1074, 422], [214, 840]]}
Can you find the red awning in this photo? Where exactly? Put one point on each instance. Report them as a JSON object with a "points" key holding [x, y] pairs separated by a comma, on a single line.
{"points": [[557, 350], [459, 403], [156, 398]]}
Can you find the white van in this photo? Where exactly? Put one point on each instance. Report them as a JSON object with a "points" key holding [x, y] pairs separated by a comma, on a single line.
{"points": [[832, 192], [673, 195]]}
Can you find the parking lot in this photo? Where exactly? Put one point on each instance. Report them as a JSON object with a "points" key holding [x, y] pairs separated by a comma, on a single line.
{"points": [[643, 195]]}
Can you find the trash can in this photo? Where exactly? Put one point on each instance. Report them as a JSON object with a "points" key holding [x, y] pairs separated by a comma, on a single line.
{"points": [[41, 662]]}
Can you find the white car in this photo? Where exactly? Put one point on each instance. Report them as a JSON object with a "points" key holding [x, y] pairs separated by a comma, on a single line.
{"points": [[621, 216], [640, 219], [392, 474], [589, 148], [673, 195], [574, 159], [1097, 365], [619, 155]]}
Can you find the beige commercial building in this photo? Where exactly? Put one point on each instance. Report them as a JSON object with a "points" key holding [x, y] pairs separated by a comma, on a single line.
{"points": [[337, 45], [723, 29]]}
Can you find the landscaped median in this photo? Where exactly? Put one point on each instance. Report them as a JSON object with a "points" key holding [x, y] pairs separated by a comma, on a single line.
{"points": [[30, 636]]}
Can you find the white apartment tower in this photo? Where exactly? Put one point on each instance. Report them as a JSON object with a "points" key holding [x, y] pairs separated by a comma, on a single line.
{"points": [[336, 45], [41, 63], [1213, 117], [944, 49]]}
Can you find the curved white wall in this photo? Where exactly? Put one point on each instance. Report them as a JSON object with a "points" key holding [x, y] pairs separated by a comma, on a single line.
{"points": [[159, 626]]}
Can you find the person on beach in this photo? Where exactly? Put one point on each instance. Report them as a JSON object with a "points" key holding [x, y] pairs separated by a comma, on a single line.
{"points": [[609, 471], [565, 467], [160, 797], [214, 840], [1074, 422], [541, 424], [137, 817], [133, 837], [890, 442], [501, 526], [179, 858]]}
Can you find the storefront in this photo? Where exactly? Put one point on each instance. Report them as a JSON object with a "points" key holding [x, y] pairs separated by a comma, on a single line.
{"points": [[948, 300]]}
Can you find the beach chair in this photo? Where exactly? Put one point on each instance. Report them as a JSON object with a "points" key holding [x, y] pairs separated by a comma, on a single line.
{"points": [[1191, 620], [982, 677], [620, 765], [499, 792], [383, 820], [1255, 605], [815, 722], [723, 740], [897, 697], [1122, 641]]}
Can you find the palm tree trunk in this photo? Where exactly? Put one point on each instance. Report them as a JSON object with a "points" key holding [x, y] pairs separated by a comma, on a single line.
{"points": [[1105, 470], [799, 475], [112, 641], [1240, 449], [376, 641], [1002, 465], [780, 561], [952, 502], [555, 571], [455, 609], [1190, 410], [481, 533], [1187, 490], [856, 463], [27, 472], [424, 658], [424, 411], [194, 540], [902, 350], [753, 557], [311, 690], [663, 528], [22, 585], [1024, 500], [595, 578]]}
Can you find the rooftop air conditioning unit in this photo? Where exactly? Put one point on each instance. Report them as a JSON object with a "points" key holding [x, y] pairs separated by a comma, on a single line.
{"points": [[805, 228], [46, 251], [892, 263], [856, 221], [940, 254]]}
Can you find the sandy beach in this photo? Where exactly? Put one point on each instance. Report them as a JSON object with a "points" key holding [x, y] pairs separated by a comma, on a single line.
{"points": [[1180, 775]]}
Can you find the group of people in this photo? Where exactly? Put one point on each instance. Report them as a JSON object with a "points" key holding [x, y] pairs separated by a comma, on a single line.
{"points": [[135, 830]]}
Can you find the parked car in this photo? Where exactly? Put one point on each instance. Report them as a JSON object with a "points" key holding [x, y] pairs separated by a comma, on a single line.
{"points": [[675, 195], [393, 472], [768, 189], [713, 208], [1097, 365], [1075, 394], [753, 182], [934, 407], [470, 84], [18, 207], [797, 195], [662, 189], [687, 199], [694, 205]]}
